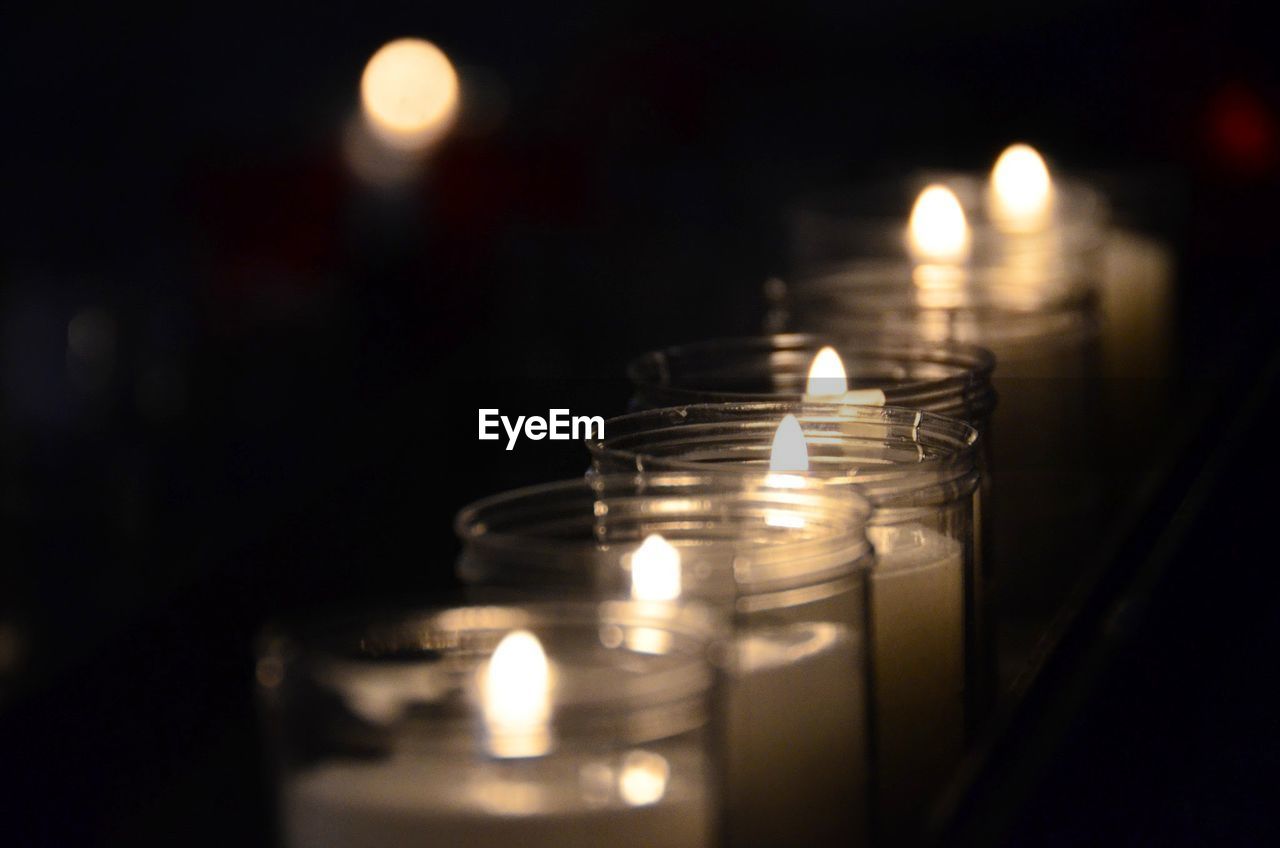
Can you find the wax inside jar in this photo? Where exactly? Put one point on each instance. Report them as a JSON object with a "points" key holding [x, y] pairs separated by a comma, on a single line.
{"points": [[647, 796], [917, 626], [797, 736]]}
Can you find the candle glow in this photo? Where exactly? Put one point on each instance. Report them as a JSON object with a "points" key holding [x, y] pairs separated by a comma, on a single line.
{"points": [[828, 381], [409, 93], [826, 374], [789, 452], [938, 231], [643, 779], [655, 570], [1021, 192], [516, 693]]}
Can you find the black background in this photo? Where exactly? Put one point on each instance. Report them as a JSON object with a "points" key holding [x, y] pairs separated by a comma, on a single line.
{"points": [[278, 414]]}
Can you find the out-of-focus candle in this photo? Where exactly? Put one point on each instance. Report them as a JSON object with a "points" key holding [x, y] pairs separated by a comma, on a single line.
{"points": [[523, 783], [517, 697], [1137, 305], [937, 232], [782, 557], [828, 382], [409, 93], [1020, 195], [409, 101], [655, 570]]}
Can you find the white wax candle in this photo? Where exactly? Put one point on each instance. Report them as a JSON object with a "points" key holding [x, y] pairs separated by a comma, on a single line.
{"points": [[1137, 307], [797, 737], [917, 635], [654, 795]]}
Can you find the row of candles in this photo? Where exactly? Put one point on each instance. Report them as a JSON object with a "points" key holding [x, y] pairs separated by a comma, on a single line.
{"points": [[761, 618]]}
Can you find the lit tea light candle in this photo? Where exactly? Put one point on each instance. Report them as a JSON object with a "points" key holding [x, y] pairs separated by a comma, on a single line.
{"points": [[828, 382], [789, 452], [409, 93], [517, 697], [937, 232], [784, 560], [1020, 195], [826, 375], [655, 570], [520, 786], [409, 101]]}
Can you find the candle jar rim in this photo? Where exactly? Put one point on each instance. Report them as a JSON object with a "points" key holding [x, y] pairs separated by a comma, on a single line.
{"points": [[870, 218], [948, 378], [848, 444], [773, 538], [893, 196], [411, 680], [881, 283]]}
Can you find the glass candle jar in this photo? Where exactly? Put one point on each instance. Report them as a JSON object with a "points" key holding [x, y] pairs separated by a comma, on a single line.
{"points": [[920, 473], [787, 565], [940, 377], [1045, 434], [572, 723]]}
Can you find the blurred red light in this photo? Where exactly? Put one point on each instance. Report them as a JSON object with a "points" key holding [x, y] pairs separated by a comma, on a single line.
{"points": [[1242, 130]]}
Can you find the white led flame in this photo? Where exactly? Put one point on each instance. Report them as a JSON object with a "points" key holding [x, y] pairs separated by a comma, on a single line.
{"points": [[790, 452], [938, 231], [655, 570], [826, 375], [517, 697], [828, 383], [1021, 191]]}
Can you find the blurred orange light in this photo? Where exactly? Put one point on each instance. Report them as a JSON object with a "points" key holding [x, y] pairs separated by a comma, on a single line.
{"points": [[409, 93], [937, 230]]}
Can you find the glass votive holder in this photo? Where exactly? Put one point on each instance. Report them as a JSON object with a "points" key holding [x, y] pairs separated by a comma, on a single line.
{"points": [[548, 725], [941, 377], [786, 565], [828, 228], [920, 473], [1045, 434]]}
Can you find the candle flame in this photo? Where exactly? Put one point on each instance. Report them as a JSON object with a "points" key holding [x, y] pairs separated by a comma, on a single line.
{"points": [[938, 231], [643, 779], [517, 697], [1021, 190], [409, 93], [826, 374], [789, 452], [655, 570]]}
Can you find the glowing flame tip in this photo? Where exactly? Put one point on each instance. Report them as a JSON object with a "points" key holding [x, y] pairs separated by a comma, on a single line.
{"points": [[409, 93], [517, 702], [655, 570], [826, 374], [938, 231], [1021, 189], [789, 452]]}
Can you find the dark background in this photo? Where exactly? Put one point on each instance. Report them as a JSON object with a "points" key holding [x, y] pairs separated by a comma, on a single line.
{"points": [[238, 385]]}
